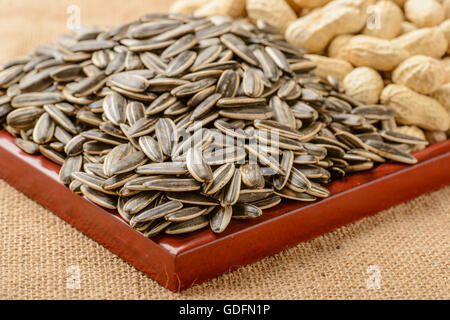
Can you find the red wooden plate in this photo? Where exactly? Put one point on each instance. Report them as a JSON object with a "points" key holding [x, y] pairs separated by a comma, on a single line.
{"points": [[178, 262]]}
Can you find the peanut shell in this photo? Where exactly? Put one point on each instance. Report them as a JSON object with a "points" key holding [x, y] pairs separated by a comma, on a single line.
{"points": [[187, 6], [379, 54], [329, 66], [442, 95], [385, 21], [413, 108], [276, 13], [421, 73], [364, 84], [232, 8], [424, 13], [337, 46], [315, 30], [427, 41]]}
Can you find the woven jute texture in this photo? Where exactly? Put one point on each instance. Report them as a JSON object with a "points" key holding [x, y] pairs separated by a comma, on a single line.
{"points": [[406, 246], [402, 251]]}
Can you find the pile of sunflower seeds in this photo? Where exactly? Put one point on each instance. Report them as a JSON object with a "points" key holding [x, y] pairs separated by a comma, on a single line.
{"points": [[181, 122]]}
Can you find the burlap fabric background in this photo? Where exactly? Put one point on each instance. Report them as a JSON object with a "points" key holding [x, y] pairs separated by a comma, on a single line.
{"points": [[408, 244]]}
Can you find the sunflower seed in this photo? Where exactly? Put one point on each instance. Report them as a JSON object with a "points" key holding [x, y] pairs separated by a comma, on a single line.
{"points": [[286, 164], [208, 55], [193, 87], [97, 197], [232, 190], [44, 129], [401, 138], [134, 112], [92, 181], [27, 146], [269, 67], [228, 83], [220, 219], [312, 171], [266, 203], [247, 210], [36, 99], [152, 28], [75, 186], [251, 176], [298, 182], [10, 75], [71, 165], [251, 195], [62, 135], [230, 102], [156, 227], [293, 195], [130, 82], [192, 198], [252, 83], [118, 180], [129, 162], [66, 73], [214, 31], [205, 106], [389, 152], [172, 168], [92, 45], [185, 214], [60, 118], [367, 154], [176, 32], [289, 90], [180, 63], [151, 148], [221, 177], [139, 202], [156, 212], [377, 112], [114, 106], [187, 226], [278, 58], [23, 117], [239, 47], [52, 155], [265, 159], [142, 127], [247, 113], [197, 166], [172, 184], [160, 104]]}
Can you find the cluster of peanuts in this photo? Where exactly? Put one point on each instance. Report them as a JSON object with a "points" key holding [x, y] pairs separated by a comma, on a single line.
{"points": [[391, 52]]}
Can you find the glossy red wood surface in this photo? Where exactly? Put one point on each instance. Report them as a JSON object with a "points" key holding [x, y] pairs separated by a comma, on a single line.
{"points": [[178, 262]]}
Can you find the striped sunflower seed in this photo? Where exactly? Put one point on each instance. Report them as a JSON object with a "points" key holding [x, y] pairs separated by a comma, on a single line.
{"points": [[197, 166], [104, 200], [27, 146], [44, 129], [221, 177], [172, 185], [252, 176], [187, 226], [247, 211], [139, 202], [266, 203], [220, 219], [186, 214], [159, 211], [70, 166]]}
